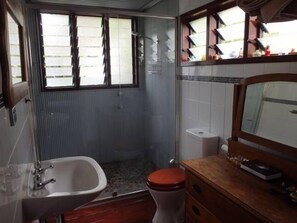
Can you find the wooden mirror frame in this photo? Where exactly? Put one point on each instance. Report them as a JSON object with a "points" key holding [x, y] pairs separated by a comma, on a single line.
{"points": [[239, 100], [13, 93]]}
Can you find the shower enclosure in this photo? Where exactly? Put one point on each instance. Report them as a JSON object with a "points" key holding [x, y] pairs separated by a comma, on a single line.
{"points": [[128, 131]]}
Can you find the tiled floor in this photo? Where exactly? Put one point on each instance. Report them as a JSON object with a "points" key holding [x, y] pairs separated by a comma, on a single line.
{"points": [[125, 177]]}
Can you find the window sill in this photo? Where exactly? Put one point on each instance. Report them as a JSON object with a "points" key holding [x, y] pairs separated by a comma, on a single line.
{"points": [[50, 89], [271, 59]]}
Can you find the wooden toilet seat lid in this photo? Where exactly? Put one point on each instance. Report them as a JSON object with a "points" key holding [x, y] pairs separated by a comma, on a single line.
{"points": [[168, 177]]}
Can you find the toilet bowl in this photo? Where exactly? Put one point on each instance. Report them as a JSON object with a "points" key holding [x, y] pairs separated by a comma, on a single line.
{"points": [[167, 187]]}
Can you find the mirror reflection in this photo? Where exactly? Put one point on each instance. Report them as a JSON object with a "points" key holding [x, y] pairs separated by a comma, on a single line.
{"points": [[270, 111], [14, 50]]}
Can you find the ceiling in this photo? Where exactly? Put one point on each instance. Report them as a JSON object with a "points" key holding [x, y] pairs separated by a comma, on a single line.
{"points": [[137, 5]]}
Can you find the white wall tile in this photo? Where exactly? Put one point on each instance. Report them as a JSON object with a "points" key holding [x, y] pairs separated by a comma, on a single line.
{"points": [[253, 69], [234, 70], [185, 70], [293, 67], [204, 94], [205, 70], [277, 67], [204, 116], [218, 91], [218, 70], [193, 109], [193, 90]]}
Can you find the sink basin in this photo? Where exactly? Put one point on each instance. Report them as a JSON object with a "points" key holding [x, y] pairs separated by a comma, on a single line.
{"points": [[79, 180]]}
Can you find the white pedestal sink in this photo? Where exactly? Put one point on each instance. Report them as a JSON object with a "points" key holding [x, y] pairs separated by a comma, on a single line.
{"points": [[78, 180]]}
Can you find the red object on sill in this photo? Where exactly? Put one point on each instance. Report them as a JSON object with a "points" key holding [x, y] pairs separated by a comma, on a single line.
{"points": [[267, 51]]}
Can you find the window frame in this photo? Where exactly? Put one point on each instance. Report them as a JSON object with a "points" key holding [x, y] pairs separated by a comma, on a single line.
{"points": [[251, 33], [74, 51]]}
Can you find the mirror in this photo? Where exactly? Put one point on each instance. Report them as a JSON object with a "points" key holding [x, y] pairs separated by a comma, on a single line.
{"points": [[13, 49], [267, 111], [270, 111]]}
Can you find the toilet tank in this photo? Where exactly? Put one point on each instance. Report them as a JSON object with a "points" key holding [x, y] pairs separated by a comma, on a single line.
{"points": [[200, 144]]}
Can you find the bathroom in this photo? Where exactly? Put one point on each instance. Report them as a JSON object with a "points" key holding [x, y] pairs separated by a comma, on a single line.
{"points": [[160, 109]]}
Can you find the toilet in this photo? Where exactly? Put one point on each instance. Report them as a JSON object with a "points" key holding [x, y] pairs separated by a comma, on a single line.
{"points": [[167, 186]]}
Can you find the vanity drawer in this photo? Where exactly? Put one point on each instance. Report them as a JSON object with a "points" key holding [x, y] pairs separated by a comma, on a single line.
{"points": [[197, 213], [219, 205]]}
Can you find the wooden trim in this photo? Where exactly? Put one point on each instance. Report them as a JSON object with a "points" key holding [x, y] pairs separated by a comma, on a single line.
{"points": [[236, 90], [239, 107], [288, 167], [74, 50], [212, 38], [13, 93], [91, 10], [135, 53], [184, 42]]}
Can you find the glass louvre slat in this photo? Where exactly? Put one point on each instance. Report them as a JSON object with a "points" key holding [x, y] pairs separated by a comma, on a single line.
{"points": [[231, 49], [58, 71], [90, 50], [59, 82], [56, 41], [89, 41], [199, 39], [281, 37], [57, 30], [54, 19], [232, 16], [232, 33], [89, 32], [57, 61], [198, 25], [57, 50], [121, 51], [198, 53]]}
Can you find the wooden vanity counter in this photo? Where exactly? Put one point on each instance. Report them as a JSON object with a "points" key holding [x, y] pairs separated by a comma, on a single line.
{"points": [[219, 191]]}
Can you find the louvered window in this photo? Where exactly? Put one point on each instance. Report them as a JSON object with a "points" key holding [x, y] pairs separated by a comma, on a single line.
{"points": [[230, 33], [197, 37], [57, 50], [87, 51], [279, 37], [121, 53], [90, 50]]}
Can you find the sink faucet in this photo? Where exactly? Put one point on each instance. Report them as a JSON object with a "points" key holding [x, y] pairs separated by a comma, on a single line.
{"points": [[38, 169], [38, 184]]}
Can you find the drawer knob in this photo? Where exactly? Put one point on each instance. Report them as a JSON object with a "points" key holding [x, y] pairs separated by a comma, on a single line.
{"points": [[196, 188], [195, 210]]}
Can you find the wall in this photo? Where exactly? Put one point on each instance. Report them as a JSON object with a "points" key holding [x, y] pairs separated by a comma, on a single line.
{"points": [[16, 150], [207, 103]]}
